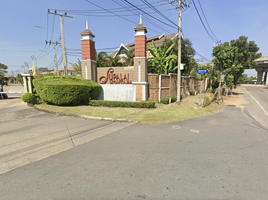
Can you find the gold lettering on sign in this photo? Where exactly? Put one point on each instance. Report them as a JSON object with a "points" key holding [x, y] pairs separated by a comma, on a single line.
{"points": [[114, 78]]}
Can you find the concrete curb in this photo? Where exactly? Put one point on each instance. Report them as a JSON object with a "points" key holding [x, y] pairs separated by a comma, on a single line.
{"points": [[83, 116]]}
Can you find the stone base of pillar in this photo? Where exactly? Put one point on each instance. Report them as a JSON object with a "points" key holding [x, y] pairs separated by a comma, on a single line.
{"points": [[27, 83], [89, 69]]}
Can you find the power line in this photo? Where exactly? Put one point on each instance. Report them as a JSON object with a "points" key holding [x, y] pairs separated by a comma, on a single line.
{"points": [[206, 20], [157, 11], [137, 13], [150, 15], [211, 37]]}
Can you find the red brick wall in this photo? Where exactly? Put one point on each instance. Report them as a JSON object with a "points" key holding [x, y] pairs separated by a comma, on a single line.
{"points": [[140, 46], [153, 93], [88, 50], [169, 86]]}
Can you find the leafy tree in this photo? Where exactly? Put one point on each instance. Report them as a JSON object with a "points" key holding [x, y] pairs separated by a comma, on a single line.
{"points": [[223, 59], [113, 62], [163, 59], [77, 66], [129, 59], [187, 54], [244, 57], [101, 59]]}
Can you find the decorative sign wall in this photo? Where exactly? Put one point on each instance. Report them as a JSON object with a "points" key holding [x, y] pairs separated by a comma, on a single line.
{"points": [[114, 78]]}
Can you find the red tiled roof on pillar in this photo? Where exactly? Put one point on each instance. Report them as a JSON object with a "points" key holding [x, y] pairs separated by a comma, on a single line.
{"points": [[140, 40], [88, 45]]}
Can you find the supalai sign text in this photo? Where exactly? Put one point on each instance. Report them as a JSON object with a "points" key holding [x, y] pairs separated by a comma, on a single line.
{"points": [[114, 78]]}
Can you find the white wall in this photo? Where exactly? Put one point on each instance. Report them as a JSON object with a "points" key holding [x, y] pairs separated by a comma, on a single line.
{"points": [[118, 92]]}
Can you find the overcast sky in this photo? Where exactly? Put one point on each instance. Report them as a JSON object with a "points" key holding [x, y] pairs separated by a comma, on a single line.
{"points": [[20, 39]]}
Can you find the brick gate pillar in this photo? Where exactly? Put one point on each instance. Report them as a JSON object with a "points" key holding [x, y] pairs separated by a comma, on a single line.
{"points": [[88, 62], [140, 63]]}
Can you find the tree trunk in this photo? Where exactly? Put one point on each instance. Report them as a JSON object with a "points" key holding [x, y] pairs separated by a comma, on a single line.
{"points": [[219, 93]]}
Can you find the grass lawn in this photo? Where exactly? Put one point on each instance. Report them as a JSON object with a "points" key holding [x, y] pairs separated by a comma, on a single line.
{"points": [[161, 114]]}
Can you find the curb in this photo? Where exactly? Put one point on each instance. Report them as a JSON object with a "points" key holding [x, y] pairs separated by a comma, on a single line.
{"points": [[83, 116]]}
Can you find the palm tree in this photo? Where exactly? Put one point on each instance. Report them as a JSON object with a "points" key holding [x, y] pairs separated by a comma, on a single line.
{"points": [[101, 59], [129, 58]]}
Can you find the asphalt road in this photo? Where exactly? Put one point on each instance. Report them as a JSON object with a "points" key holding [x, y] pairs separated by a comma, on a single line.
{"points": [[219, 156], [257, 98]]}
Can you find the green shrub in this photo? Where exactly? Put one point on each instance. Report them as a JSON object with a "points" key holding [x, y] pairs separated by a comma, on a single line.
{"points": [[209, 90], [165, 100], [29, 98], [223, 90], [193, 92], [66, 90], [206, 101], [96, 90], [125, 104]]}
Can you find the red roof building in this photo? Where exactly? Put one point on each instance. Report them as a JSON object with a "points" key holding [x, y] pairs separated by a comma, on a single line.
{"points": [[159, 39]]}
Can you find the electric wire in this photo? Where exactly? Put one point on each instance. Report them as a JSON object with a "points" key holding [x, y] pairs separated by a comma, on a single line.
{"points": [[207, 21], [176, 27], [145, 17], [211, 37]]}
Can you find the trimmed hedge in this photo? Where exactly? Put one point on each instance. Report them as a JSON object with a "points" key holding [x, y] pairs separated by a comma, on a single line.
{"points": [[165, 100], [66, 90], [29, 98], [125, 104]]}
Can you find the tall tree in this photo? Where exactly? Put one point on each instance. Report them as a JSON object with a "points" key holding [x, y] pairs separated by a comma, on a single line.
{"points": [[244, 57], [223, 59]]}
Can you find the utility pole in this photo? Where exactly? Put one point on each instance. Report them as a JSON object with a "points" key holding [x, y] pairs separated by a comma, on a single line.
{"points": [[55, 56], [182, 3], [62, 39], [26, 64]]}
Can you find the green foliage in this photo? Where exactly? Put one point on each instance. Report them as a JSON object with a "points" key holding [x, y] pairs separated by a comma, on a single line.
{"points": [[77, 67], [163, 59], [101, 59], [193, 92], [165, 100], [29, 98], [3, 70], [142, 104], [95, 90], [187, 54], [206, 101], [234, 57], [129, 59], [66, 90], [209, 90]]}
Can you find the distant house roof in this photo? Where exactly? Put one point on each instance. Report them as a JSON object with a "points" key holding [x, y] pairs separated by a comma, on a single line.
{"points": [[8, 76], [71, 68], [47, 72], [159, 39]]}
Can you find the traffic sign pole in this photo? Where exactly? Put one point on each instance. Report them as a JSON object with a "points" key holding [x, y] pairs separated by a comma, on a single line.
{"points": [[199, 104]]}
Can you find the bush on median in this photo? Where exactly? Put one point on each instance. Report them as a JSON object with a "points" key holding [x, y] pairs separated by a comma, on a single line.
{"points": [[29, 98], [124, 104], [66, 90]]}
